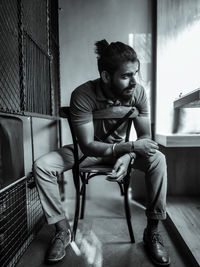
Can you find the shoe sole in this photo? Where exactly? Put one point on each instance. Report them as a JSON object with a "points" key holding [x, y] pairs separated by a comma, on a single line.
{"points": [[56, 260], [154, 261]]}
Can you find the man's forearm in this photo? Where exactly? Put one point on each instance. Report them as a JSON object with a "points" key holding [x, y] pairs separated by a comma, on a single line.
{"points": [[100, 149], [97, 149]]}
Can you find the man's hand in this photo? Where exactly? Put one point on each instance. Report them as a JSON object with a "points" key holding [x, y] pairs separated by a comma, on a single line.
{"points": [[145, 147], [120, 169]]}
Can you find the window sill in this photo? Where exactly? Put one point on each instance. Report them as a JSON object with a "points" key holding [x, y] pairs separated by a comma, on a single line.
{"points": [[178, 140]]}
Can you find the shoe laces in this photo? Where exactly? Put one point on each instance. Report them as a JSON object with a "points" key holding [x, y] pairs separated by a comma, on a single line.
{"points": [[62, 235], [156, 238]]}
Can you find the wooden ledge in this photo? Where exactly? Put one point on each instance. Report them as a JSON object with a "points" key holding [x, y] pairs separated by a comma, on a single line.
{"points": [[190, 100], [178, 140]]}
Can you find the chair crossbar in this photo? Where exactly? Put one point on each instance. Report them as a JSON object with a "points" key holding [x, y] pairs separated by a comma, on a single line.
{"points": [[113, 113]]}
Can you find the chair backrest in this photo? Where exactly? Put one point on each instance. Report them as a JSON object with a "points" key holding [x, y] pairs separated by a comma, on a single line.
{"points": [[119, 113]]}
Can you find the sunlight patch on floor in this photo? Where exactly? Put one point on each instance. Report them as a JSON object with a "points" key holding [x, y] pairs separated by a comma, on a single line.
{"points": [[89, 246]]}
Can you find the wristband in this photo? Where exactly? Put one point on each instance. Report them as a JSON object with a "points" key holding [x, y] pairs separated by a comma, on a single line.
{"points": [[133, 157], [113, 150]]}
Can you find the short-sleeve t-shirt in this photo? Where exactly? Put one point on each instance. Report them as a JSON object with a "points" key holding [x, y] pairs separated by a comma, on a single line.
{"points": [[89, 97]]}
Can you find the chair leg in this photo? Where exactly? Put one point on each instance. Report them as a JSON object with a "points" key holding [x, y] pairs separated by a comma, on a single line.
{"points": [[127, 209], [121, 188], [77, 206], [83, 193], [83, 201]]}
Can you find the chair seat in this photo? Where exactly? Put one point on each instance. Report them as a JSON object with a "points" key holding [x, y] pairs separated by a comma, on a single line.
{"points": [[103, 169]]}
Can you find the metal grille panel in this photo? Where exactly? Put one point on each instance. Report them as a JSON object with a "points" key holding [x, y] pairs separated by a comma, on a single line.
{"points": [[21, 217], [28, 39], [9, 57], [34, 21], [37, 79], [55, 55], [55, 81]]}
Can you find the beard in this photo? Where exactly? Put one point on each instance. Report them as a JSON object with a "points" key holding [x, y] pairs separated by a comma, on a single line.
{"points": [[125, 94]]}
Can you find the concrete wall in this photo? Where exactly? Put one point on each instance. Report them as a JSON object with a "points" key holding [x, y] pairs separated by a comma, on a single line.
{"points": [[84, 22], [81, 24]]}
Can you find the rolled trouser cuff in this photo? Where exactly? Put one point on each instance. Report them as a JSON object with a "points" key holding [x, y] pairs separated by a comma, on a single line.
{"points": [[55, 219], [156, 215]]}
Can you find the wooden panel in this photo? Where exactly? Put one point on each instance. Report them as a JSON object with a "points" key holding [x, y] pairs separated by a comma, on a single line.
{"points": [[183, 167], [185, 214]]}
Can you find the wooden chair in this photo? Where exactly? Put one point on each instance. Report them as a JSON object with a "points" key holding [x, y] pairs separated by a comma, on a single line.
{"points": [[81, 175]]}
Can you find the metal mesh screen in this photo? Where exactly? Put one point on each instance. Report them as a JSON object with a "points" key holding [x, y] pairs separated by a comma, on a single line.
{"points": [[9, 56], [55, 81], [37, 78], [21, 217], [35, 216], [55, 55], [29, 36], [34, 19]]}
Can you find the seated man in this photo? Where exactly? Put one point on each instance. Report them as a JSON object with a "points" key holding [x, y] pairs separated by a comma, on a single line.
{"points": [[118, 66]]}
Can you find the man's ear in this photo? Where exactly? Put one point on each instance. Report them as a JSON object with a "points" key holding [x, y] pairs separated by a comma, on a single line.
{"points": [[105, 76]]}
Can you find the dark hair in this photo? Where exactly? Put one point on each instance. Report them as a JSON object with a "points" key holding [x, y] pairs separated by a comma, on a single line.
{"points": [[111, 56]]}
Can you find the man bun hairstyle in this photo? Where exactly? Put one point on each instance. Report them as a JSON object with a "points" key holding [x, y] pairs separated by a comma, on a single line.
{"points": [[101, 47], [111, 56]]}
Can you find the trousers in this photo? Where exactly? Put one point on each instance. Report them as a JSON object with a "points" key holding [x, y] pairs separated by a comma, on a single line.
{"points": [[47, 168]]}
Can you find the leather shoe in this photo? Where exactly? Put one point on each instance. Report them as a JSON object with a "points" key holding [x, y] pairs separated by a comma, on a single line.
{"points": [[56, 251], [155, 248]]}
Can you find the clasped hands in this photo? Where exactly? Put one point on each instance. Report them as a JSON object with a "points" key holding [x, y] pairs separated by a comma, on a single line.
{"points": [[145, 147]]}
